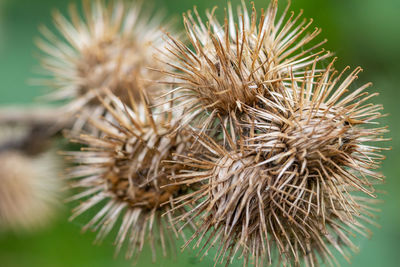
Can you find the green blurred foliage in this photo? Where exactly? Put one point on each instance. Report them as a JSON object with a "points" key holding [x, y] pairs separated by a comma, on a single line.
{"points": [[360, 32]]}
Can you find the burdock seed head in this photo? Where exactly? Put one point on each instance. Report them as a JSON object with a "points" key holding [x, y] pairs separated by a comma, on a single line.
{"points": [[110, 47], [303, 182], [29, 183], [228, 64], [124, 171]]}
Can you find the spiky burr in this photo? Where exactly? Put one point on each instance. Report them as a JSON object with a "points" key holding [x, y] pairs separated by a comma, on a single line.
{"points": [[124, 170], [300, 183], [29, 183], [227, 65], [111, 47]]}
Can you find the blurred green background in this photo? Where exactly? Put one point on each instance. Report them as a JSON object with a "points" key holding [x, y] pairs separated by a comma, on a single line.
{"points": [[361, 32]]}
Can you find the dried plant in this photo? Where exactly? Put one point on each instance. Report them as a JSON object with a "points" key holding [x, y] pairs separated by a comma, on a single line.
{"points": [[111, 47], [124, 171], [302, 181], [29, 186], [258, 148], [231, 63]]}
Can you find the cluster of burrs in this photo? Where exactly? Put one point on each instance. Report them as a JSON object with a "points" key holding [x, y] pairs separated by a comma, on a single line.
{"points": [[234, 130]]}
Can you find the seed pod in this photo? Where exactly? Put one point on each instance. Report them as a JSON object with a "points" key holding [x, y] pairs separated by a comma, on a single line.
{"points": [[231, 63], [29, 182], [302, 182], [111, 47], [124, 170]]}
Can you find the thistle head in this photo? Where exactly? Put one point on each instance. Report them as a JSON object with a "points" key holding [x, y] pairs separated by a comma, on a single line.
{"points": [[301, 183], [233, 62], [29, 184], [325, 144], [320, 125], [124, 169], [110, 47]]}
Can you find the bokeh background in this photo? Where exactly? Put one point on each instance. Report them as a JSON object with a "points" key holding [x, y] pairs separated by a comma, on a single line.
{"points": [[361, 32]]}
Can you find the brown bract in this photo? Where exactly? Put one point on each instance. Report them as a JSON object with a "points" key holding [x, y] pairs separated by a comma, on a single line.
{"points": [[123, 172], [228, 64], [300, 184], [111, 46]]}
